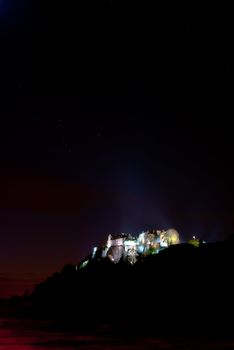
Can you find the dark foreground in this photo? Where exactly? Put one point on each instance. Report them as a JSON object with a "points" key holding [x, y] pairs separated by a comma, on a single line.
{"points": [[39, 334], [181, 298]]}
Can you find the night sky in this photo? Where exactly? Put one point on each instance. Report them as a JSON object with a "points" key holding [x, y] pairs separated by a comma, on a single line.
{"points": [[114, 118]]}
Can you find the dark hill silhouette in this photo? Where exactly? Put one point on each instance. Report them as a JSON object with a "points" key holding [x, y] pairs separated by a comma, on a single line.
{"points": [[181, 289], [230, 239]]}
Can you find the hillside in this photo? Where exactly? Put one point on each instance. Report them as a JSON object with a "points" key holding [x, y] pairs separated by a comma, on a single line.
{"points": [[181, 289]]}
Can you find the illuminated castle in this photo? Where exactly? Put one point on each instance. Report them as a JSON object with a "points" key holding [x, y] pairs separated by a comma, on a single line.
{"points": [[128, 248]]}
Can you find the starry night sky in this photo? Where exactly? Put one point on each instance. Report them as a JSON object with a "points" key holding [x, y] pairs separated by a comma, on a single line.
{"points": [[114, 118]]}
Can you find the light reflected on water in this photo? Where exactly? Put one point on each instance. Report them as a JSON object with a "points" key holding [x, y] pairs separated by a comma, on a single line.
{"points": [[41, 335]]}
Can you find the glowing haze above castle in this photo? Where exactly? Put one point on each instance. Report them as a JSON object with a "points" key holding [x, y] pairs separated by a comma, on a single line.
{"points": [[128, 248]]}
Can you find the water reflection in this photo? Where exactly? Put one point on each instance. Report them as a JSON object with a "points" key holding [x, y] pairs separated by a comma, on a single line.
{"points": [[36, 335], [25, 335]]}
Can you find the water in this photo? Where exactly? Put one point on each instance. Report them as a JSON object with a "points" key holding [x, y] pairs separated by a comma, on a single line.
{"points": [[42, 335]]}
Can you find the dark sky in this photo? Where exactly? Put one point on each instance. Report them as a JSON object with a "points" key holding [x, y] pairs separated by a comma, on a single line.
{"points": [[114, 118]]}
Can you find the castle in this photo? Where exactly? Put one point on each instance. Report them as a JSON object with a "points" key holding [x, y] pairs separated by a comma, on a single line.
{"points": [[128, 248]]}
